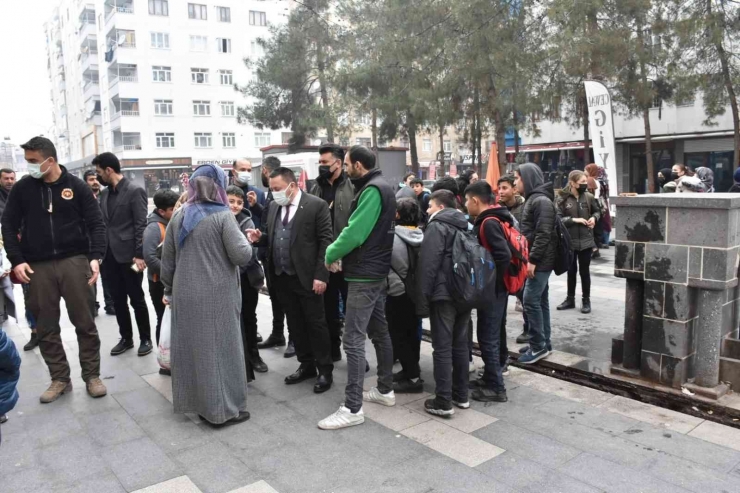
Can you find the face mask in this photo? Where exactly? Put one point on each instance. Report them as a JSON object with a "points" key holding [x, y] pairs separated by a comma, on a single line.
{"points": [[102, 181], [674, 176], [281, 197], [325, 171], [582, 188], [244, 177], [35, 170]]}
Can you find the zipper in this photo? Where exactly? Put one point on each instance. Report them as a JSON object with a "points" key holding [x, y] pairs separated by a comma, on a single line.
{"points": [[51, 222]]}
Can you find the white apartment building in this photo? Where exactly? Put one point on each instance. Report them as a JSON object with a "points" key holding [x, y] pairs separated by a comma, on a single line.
{"points": [[161, 82]]}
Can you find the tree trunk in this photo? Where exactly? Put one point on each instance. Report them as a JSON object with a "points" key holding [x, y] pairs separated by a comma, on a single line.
{"points": [[411, 126], [375, 129], [329, 121], [500, 141], [480, 142], [646, 108], [441, 149], [516, 133]]}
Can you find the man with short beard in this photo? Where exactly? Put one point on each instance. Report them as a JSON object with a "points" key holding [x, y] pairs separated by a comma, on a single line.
{"points": [[7, 180], [91, 178]]}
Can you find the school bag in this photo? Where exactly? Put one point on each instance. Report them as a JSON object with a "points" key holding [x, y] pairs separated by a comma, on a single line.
{"points": [[473, 277], [409, 282], [564, 249], [516, 275]]}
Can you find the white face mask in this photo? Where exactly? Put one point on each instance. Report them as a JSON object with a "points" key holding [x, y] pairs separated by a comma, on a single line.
{"points": [[244, 177], [281, 198], [35, 170]]}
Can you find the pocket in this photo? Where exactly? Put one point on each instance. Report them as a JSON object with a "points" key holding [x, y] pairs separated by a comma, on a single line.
{"points": [[126, 236]]}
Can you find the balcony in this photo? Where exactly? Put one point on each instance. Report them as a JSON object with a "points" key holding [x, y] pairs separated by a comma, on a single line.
{"points": [[90, 89], [126, 141], [86, 29], [89, 62], [118, 7], [122, 108], [121, 73]]}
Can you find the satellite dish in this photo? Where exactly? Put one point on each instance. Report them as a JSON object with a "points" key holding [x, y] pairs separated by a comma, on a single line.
{"points": [[121, 39]]}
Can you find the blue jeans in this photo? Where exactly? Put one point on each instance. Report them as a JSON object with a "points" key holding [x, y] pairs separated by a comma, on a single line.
{"points": [[490, 324], [537, 308]]}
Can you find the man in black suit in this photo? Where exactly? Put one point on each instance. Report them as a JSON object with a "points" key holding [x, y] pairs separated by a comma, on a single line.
{"points": [[124, 207], [298, 231]]}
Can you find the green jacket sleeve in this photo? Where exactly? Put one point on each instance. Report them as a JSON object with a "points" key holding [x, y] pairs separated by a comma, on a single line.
{"points": [[361, 224]]}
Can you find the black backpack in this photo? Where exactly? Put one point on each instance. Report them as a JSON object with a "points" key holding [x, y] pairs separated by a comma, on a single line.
{"points": [[473, 277], [564, 250], [409, 282]]}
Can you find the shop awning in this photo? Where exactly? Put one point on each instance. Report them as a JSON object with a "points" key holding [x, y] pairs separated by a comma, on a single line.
{"points": [[558, 146]]}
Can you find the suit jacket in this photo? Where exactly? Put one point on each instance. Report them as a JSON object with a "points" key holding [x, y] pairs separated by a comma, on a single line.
{"points": [[126, 222], [311, 234]]}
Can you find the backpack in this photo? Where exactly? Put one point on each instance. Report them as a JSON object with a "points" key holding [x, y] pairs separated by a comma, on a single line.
{"points": [[564, 249], [516, 275], [473, 276], [409, 282]]}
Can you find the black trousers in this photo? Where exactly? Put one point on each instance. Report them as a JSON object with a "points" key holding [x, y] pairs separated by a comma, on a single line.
{"points": [[250, 298], [450, 343], [403, 324], [336, 286], [156, 293], [581, 263], [125, 286], [278, 314], [306, 322]]}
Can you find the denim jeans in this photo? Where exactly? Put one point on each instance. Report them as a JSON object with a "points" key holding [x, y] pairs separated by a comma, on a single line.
{"points": [[490, 326], [366, 317], [537, 308], [450, 343]]}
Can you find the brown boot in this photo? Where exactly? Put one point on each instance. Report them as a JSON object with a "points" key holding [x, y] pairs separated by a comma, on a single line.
{"points": [[55, 390], [96, 388]]}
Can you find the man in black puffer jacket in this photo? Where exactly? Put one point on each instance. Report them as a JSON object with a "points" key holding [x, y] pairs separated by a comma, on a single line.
{"points": [[538, 225]]}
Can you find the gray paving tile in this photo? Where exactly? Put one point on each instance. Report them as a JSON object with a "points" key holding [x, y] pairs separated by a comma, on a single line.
{"points": [[140, 463], [557, 482], [525, 443], [17, 452], [467, 449], [111, 428], [214, 469], [258, 487], [615, 478], [144, 402], [181, 484], [72, 459], [515, 470], [51, 427], [687, 447], [718, 434], [104, 484], [442, 474], [590, 416], [692, 476], [29, 480], [654, 415], [175, 432], [118, 379]]}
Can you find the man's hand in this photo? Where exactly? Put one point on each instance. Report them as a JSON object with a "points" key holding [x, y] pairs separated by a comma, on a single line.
{"points": [[319, 286], [4, 274], [251, 198], [335, 267], [140, 264], [165, 301], [253, 235], [591, 222], [95, 269], [22, 271], [530, 270]]}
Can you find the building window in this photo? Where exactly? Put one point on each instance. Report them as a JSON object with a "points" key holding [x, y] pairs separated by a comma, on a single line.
{"points": [[224, 14], [257, 49], [447, 146], [257, 18], [199, 75], [261, 139], [203, 140], [227, 108], [229, 139], [161, 74], [363, 141], [202, 108], [197, 11], [159, 7], [198, 43], [163, 107], [427, 145], [223, 45], [165, 140], [227, 77], [160, 40]]}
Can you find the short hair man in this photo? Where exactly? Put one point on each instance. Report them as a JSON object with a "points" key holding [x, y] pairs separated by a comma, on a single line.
{"points": [[509, 197], [242, 178], [7, 180], [298, 233], [422, 196], [156, 225], [406, 191], [91, 178], [336, 189], [124, 205], [365, 248], [62, 261]]}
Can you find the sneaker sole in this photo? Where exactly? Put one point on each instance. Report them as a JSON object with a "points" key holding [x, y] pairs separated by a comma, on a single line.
{"points": [[440, 412], [144, 354], [382, 403], [348, 425], [535, 360], [461, 405], [120, 352]]}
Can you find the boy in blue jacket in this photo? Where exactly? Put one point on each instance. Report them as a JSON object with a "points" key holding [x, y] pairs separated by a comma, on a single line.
{"points": [[10, 364]]}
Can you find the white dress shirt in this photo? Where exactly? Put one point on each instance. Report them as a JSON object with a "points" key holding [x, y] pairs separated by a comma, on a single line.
{"points": [[293, 207]]}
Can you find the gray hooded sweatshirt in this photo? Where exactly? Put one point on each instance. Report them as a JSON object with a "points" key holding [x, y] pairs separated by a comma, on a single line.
{"points": [[405, 235]]}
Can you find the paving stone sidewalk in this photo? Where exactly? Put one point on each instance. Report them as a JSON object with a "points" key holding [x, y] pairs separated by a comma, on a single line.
{"points": [[552, 436]]}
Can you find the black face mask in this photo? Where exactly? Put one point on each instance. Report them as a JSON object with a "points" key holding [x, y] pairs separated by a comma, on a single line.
{"points": [[325, 171], [661, 179], [582, 188], [265, 181], [102, 181], [674, 176]]}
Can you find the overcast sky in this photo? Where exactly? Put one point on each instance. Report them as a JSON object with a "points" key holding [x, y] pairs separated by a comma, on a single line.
{"points": [[25, 107]]}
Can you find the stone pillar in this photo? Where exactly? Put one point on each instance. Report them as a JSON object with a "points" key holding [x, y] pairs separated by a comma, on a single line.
{"points": [[709, 337], [633, 304]]}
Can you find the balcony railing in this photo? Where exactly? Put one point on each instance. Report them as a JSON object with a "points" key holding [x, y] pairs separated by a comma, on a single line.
{"points": [[130, 112], [119, 10], [128, 44], [128, 78], [131, 147]]}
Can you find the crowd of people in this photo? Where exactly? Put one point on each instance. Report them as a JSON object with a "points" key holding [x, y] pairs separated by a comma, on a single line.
{"points": [[350, 259]]}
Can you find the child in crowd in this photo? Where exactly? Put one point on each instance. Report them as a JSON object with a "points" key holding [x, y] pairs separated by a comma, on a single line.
{"points": [[252, 278], [156, 225]]}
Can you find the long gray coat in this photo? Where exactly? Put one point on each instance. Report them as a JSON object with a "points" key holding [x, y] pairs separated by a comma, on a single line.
{"points": [[208, 373]]}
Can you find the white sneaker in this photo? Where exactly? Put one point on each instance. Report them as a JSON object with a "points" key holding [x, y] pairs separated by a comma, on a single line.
{"points": [[343, 418], [374, 395], [462, 405]]}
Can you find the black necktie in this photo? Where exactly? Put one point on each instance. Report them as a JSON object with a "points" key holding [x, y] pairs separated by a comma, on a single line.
{"points": [[287, 215]]}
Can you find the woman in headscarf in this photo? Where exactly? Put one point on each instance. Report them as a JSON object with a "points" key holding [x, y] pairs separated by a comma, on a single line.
{"points": [[706, 176], [203, 249]]}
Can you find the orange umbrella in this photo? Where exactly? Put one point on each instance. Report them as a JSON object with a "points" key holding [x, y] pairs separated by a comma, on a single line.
{"points": [[493, 173]]}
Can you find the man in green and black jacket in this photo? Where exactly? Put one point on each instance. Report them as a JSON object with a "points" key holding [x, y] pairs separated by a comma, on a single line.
{"points": [[364, 248]]}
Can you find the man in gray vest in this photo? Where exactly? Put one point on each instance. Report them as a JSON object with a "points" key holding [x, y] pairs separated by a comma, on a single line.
{"points": [[364, 248], [298, 233]]}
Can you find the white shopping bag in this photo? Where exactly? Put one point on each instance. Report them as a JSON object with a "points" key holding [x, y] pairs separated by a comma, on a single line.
{"points": [[163, 354]]}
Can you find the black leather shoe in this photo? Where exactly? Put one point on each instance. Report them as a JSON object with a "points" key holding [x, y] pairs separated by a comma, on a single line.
{"points": [[586, 307], [259, 337], [271, 342], [300, 375], [290, 350], [33, 343], [568, 304], [145, 348], [122, 346], [109, 310], [258, 364], [323, 383], [522, 338]]}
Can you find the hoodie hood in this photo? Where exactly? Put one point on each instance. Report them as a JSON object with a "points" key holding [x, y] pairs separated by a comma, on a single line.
{"points": [[243, 216], [411, 236], [453, 217], [502, 213], [533, 178], [153, 217]]}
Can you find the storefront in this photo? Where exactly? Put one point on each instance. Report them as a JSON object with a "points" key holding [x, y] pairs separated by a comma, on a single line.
{"points": [[715, 154], [153, 174]]}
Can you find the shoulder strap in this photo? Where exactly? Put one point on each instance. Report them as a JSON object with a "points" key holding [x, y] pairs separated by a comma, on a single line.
{"points": [[162, 231], [482, 234]]}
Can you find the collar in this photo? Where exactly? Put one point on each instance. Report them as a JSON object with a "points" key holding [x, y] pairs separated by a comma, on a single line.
{"points": [[434, 214], [117, 188], [296, 199]]}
